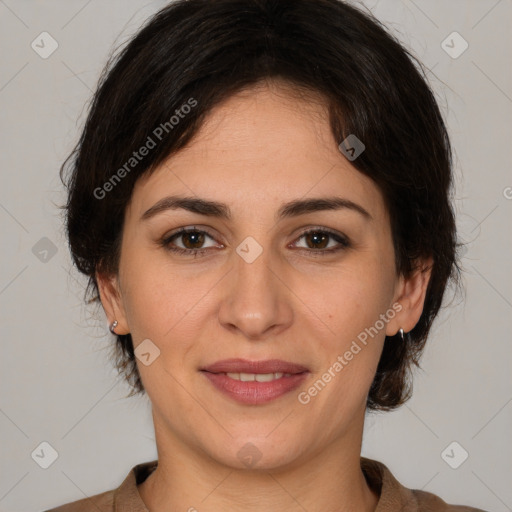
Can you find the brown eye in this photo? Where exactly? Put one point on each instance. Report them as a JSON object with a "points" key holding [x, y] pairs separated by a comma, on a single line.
{"points": [[322, 241], [190, 242], [192, 239], [317, 240]]}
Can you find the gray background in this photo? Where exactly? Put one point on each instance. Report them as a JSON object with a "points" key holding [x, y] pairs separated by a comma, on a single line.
{"points": [[57, 385]]}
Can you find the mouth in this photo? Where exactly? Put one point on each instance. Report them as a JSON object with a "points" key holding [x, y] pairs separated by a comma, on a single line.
{"points": [[246, 367], [256, 377], [255, 382]]}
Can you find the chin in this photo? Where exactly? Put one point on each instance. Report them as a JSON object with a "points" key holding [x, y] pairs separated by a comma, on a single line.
{"points": [[258, 452]]}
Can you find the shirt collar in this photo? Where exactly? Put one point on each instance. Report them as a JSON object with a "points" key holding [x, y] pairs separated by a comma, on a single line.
{"points": [[392, 495], [126, 496]]}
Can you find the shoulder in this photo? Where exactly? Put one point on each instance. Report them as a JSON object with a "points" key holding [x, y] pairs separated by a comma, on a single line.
{"points": [[125, 498], [103, 502], [431, 502], [394, 496]]}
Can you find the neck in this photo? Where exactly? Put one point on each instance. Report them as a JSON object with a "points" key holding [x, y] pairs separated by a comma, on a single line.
{"points": [[188, 479]]}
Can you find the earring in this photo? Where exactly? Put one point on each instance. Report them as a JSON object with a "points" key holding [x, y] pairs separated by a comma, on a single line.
{"points": [[113, 325], [401, 332]]}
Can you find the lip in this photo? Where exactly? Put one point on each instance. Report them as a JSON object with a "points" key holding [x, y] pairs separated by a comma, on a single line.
{"points": [[253, 392], [246, 366]]}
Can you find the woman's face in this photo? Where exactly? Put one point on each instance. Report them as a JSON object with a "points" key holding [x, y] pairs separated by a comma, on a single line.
{"points": [[253, 286]]}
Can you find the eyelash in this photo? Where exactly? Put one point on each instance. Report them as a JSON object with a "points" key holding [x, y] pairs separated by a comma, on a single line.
{"points": [[342, 240]]}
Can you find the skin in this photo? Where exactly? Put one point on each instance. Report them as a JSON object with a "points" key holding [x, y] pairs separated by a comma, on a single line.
{"points": [[257, 150]]}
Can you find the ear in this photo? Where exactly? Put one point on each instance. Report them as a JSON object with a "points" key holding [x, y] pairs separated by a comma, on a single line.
{"points": [[410, 294], [111, 299]]}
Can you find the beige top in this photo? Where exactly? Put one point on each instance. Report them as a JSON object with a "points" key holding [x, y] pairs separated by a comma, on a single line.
{"points": [[393, 497]]}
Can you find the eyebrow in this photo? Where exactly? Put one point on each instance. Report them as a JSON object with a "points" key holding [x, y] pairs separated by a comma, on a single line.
{"points": [[222, 211]]}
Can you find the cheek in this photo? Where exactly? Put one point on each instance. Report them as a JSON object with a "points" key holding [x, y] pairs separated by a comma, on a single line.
{"points": [[350, 348], [350, 304], [351, 298], [164, 303], [150, 296]]}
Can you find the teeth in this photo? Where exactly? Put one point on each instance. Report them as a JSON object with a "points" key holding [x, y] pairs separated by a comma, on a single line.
{"points": [[258, 377]]}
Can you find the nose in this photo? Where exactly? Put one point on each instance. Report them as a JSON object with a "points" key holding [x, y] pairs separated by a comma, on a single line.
{"points": [[256, 303]]}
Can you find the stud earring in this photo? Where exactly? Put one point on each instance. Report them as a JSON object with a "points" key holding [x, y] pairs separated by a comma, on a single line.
{"points": [[112, 327]]}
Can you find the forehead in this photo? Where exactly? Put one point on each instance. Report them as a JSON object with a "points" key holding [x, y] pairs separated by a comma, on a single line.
{"points": [[262, 146]]}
